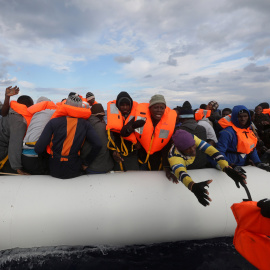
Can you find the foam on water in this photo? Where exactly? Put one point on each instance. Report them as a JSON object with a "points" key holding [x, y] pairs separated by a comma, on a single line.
{"points": [[218, 253]]}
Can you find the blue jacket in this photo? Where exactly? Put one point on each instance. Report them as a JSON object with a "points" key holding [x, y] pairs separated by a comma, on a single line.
{"points": [[67, 135], [227, 142]]}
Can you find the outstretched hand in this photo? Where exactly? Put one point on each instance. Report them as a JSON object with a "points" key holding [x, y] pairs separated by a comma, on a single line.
{"points": [[138, 124], [12, 91], [201, 192], [238, 175]]}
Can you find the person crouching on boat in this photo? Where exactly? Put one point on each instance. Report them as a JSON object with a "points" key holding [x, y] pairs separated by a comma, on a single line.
{"points": [[155, 135], [237, 142], [183, 153], [65, 133], [120, 120]]}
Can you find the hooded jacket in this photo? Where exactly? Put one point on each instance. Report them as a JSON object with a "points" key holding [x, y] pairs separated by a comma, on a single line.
{"points": [[228, 141]]}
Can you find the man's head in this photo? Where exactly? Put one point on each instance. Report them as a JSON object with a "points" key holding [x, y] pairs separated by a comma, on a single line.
{"points": [[74, 101], [226, 112], [258, 109], [243, 118], [184, 142], [90, 97], [124, 103], [186, 114], [98, 111], [212, 105], [157, 106], [26, 100]]}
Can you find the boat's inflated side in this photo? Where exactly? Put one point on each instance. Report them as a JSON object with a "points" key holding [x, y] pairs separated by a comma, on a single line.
{"points": [[118, 208]]}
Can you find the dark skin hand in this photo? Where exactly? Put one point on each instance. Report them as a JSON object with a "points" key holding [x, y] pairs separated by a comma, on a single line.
{"points": [[170, 175], [10, 91]]}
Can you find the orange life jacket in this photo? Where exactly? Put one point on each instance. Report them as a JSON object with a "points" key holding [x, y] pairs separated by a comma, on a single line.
{"points": [[266, 111], [44, 105], [115, 122], [251, 235], [22, 110], [154, 139], [246, 139], [67, 110], [201, 113]]}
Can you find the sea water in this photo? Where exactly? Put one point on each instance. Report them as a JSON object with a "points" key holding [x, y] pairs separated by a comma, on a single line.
{"points": [[218, 253]]}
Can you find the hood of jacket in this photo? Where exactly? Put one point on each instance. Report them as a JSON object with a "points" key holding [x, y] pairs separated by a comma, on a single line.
{"points": [[235, 112]]}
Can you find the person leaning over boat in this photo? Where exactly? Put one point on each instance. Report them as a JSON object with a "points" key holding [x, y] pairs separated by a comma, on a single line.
{"points": [[155, 135], [120, 120], [65, 133], [237, 142], [183, 153], [13, 125], [103, 162], [42, 112]]}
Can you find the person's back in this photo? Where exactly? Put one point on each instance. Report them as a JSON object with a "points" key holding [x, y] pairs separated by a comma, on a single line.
{"points": [[66, 135], [13, 127], [103, 162], [42, 112]]}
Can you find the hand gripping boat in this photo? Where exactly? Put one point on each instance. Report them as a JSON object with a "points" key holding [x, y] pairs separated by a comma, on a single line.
{"points": [[118, 209]]}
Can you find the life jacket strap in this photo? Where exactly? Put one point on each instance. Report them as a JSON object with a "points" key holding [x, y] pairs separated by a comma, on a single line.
{"points": [[3, 161]]}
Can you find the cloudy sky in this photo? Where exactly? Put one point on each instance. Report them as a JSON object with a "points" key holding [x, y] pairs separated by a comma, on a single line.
{"points": [[184, 49]]}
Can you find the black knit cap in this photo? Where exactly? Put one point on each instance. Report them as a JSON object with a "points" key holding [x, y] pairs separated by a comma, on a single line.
{"points": [[124, 97], [97, 109]]}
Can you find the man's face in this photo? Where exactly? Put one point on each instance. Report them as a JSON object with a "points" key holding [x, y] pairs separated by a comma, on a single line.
{"points": [[258, 110], [157, 110], [91, 102], [124, 108], [243, 119], [225, 113], [191, 151]]}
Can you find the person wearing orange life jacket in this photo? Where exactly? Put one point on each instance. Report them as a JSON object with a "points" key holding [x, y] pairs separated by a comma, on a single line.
{"points": [[12, 131], [120, 127], [251, 238], [66, 133], [42, 112], [90, 98], [155, 135], [237, 142]]}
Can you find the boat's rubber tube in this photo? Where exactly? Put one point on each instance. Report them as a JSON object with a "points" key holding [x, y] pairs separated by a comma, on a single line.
{"points": [[118, 209]]}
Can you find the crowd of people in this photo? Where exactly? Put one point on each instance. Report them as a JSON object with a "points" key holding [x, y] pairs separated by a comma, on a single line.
{"points": [[71, 138]]}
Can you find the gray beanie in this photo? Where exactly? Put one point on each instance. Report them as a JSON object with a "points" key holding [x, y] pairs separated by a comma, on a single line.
{"points": [[43, 99], [157, 99], [74, 101]]}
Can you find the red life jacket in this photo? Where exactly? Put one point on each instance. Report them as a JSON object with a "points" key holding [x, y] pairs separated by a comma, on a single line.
{"points": [[22, 110], [154, 139], [251, 235], [246, 139], [201, 113]]}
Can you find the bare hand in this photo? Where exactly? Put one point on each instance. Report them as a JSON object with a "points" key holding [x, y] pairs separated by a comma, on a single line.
{"points": [[117, 157], [171, 176], [84, 167], [12, 91]]}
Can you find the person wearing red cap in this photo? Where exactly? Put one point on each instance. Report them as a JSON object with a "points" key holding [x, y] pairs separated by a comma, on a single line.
{"points": [[183, 153]]}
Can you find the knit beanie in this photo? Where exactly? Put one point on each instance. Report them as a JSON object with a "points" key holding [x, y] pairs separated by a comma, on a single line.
{"points": [[42, 99], [157, 99], [90, 96], [183, 140], [97, 109], [73, 94], [74, 101], [214, 104], [123, 97], [187, 105], [186, 113]]}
